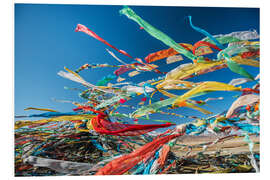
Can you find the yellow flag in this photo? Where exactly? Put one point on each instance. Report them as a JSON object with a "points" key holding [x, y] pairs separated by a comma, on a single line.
{"points": [[19, 124], [206, 86], [40, 109]]}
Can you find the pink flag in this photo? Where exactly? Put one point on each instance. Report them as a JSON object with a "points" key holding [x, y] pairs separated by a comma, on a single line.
{"points": [[84, 29]]}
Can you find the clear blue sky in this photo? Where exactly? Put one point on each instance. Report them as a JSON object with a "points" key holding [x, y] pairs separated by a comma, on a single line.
{"points": [[45, 42]]}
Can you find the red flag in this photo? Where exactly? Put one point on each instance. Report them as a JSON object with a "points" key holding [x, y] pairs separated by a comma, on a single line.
{"points": [[126, 162]]}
